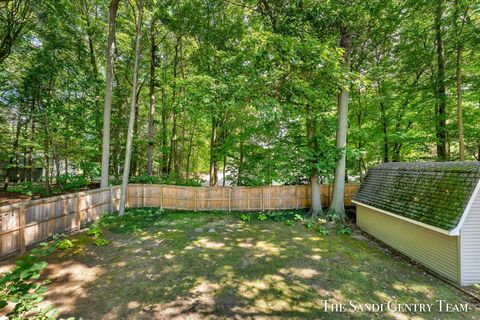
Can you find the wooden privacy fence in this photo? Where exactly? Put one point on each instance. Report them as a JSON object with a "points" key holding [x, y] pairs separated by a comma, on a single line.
{"points": [[28, 223]]}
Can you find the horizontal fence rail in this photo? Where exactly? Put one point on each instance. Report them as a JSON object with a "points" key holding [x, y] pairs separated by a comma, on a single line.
{"points": [[28, 223]]}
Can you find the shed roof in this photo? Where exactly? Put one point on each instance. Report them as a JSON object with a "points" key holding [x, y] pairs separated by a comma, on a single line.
{"points": [[434, 193]]}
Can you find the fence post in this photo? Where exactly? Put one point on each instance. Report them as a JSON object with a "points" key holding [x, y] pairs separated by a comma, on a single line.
{"points": [[263, 198], [52, 220], [21, 231], [161, 196], [229, 199], [127, 196], [195, 199], [329, 194], [78, 215], [110, 208], [296, 197], [65, 214]]}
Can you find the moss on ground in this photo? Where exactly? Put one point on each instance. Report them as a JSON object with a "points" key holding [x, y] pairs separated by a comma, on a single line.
{"points": [[185, 265]]}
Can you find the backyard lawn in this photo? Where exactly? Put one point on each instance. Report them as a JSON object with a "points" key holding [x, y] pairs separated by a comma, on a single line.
{"points": [[185, 265]]}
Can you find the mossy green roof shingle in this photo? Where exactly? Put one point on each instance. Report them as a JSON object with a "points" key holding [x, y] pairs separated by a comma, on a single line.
{"points": [[435, 193]]}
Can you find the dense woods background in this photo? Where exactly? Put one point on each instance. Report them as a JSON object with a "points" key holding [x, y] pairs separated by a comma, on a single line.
{"points": [[253, 90]]}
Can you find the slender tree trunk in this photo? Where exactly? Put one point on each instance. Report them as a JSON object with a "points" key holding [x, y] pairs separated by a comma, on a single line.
{"points": [[441, 99], [459, 105], [173, 156], [386, 152], [458, 78], [316, 201], [134, 157], [31, 159], [190, 147], [46, 155], [151, 119], [213, 140], [337, 204], [240, 164], [13, 158], [131, 121], [164, 155], [107, 110]]}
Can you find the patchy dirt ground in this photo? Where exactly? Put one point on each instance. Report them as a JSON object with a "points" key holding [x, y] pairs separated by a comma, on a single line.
{"points": [[213, 266]]}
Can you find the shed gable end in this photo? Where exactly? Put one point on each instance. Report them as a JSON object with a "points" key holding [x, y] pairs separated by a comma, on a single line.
{"points": [[470, 245]]}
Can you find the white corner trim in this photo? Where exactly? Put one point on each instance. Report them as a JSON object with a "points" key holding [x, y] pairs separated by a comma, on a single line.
{"points": [[424, 225], [456, 230]]}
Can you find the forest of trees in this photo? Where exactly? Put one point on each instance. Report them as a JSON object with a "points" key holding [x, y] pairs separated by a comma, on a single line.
{"points": [[263, 91]]}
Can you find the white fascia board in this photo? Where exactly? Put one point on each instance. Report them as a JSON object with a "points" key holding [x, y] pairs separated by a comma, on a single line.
{"points": [[424, 225]]}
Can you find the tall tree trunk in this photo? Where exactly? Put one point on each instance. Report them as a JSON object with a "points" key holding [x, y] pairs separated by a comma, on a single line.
{"points": [[164, 155], [213, 141], [131, 121], [12, 160], [173, 156], [386, 152], [46, 155], [107, 110], [134, 160], [240, 164], [441, 97], [31, 159], [316, 206], [337, 204], [458, 76], [151, 114], [459, 104], [190, 147]]}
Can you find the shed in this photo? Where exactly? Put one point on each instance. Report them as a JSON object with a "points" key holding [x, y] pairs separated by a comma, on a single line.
{"points": [[428, 211]]}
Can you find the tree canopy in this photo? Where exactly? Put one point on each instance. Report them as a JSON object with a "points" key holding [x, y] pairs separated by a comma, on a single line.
{"points": [[248, 90]]}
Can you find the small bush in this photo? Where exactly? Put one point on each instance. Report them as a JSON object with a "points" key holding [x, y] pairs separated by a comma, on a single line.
{"points": [[246, 217], [21, 287], [323, 231], [344, 230], [100, 242], [310, 224], [290, 223], [262, 217], [65, 244], [95, 232], [297, 217]]}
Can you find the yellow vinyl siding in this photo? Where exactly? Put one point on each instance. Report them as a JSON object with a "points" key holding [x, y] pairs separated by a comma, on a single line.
{"points": [[435, 250]]}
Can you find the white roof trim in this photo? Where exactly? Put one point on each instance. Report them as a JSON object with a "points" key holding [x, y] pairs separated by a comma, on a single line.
{"points": [[448, 233], [459, 226]]}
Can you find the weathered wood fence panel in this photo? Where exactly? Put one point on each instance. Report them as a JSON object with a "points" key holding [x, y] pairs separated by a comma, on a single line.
{"points": [[28, 223]]}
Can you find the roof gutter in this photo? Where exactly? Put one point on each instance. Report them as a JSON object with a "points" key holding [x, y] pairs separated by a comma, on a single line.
{"points": [[421, 224], [459, 226]]}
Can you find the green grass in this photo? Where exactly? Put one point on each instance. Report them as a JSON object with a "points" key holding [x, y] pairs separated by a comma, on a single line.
{"points": [[182, 265]]}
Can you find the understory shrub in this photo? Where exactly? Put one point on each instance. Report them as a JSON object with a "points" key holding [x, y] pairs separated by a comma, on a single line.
{"points": [[262, 217], [344, 230], [61, 242], [22, 287], [246, 217], [28, 188], [172, 179], [97, 234], [323, 231]]}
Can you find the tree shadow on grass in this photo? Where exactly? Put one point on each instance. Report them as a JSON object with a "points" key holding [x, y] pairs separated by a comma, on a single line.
{"points": [[196, 266]]}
